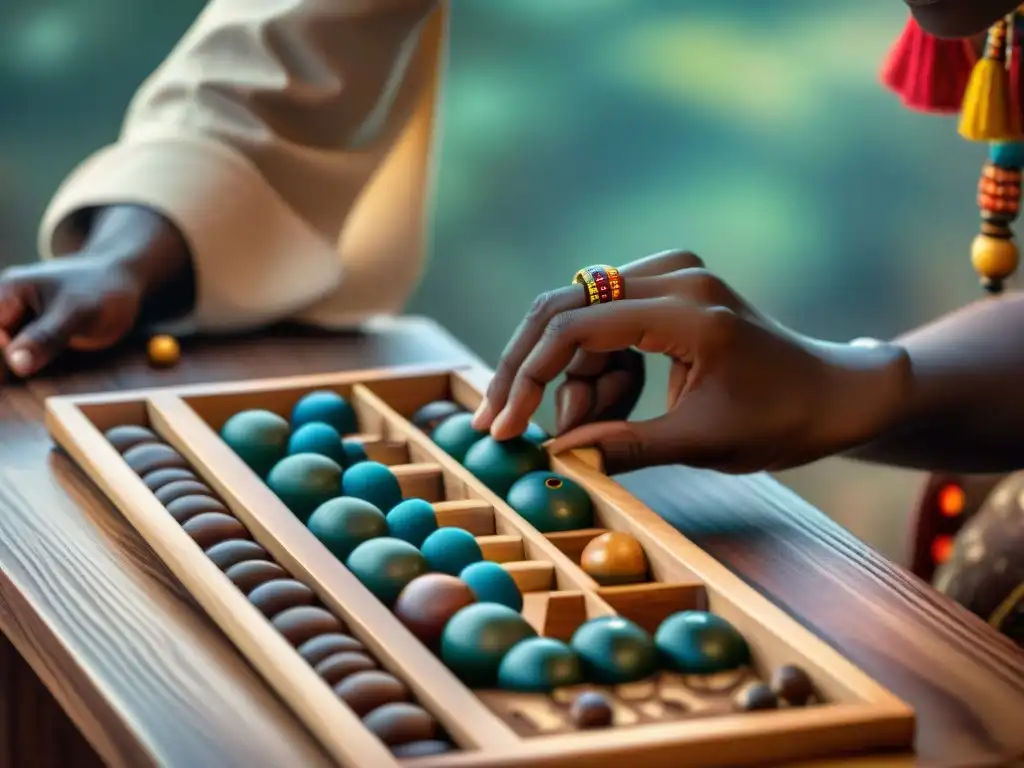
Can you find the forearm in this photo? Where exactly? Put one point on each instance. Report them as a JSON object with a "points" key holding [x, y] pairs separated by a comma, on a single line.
{"points": [[151, 251], [964, 408]]}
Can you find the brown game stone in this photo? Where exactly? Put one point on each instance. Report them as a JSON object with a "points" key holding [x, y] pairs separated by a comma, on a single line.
{"points": [[273, 597], [336, 667], [126, 437], [792, 685], [177, 489], [428, 601], [365, 691], [303, 622], [755, 697], [149, 457], [321, 647], [211, 528], [187, 507], [235, 551], [159, 478], [401, 722], [591, 709], [250, 574]]}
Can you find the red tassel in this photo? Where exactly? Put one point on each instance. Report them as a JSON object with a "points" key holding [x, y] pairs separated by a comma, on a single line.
{"points": [[928, 73]]}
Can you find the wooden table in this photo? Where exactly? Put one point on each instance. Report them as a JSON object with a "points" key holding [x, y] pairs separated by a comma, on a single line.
{"points": [[147, 679]]}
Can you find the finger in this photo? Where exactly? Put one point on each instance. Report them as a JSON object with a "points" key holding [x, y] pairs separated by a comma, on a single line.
{"points": [[650, 325], [551, 304], [46, 337], [14, 305], [678, 437], [610, 392]]}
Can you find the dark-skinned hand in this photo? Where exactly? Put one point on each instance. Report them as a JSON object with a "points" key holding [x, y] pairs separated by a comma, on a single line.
{"points": [[81, 302], [745, 393], [128, 259]]}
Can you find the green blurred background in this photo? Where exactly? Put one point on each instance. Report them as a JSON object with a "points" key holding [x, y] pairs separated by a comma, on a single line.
{"points": [[753, 133]]}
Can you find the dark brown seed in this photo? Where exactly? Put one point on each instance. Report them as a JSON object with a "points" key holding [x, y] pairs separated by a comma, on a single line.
{"points": [[149, 457], [754, 697], [792, 685], [126, 437], [301, 623], [173, 491], [212, 528], [591, 709], [400, 723], [250, 574], [235, 551], [422, 748], [187, 507], [338, 666], [279, 595], [161, 477], [319, 648], [365, 691]]}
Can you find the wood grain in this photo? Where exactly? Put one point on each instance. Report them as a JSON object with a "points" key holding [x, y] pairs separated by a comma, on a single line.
{"points": [[964, 681]]}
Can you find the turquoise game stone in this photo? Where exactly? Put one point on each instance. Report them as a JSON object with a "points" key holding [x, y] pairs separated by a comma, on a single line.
{"points": [[354, 451], [304, 482], [260, 438], [499, 465], [700, 643], [535, 434], [491, 583], [539, 665], [551, 503], [450, 550], [614, 651], [385, 566], [455, 435], [342, 524], [328, 407], [374, 482], [318, 437], [476, 639], [412, 520]]}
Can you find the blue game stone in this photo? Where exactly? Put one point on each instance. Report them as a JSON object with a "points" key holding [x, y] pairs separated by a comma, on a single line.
{"points": [[535, 434], [318, 437], [412, 520], [328, 407], [491, 583], [374, 482], [450, 550], [354, 452]]}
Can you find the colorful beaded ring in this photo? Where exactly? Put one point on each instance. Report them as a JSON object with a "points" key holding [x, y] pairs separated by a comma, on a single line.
{"points": [[602, 283]]}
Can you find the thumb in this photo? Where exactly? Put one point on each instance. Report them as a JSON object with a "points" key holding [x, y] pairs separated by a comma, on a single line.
{"points": [[624, 445]]}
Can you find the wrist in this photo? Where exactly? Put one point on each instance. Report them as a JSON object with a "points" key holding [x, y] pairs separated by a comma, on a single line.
{"points": [[865, 390]]}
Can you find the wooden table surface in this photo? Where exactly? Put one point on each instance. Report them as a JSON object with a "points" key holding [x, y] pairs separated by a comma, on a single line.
{"points": [[148, 679]]}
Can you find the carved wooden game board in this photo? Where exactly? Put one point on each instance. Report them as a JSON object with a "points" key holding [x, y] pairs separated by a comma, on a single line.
{"points": [[669, 719]]}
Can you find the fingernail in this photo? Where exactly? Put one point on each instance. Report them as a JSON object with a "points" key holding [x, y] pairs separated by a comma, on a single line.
{"points": [[20, 361], [500, 425], [481, 414]]}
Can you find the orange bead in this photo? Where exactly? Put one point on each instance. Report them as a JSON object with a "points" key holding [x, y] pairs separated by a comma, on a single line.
{"points": [[614, 558], [163, 351]]}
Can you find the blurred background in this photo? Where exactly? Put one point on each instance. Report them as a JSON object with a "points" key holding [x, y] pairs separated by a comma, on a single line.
{"points": [[753, 133]]}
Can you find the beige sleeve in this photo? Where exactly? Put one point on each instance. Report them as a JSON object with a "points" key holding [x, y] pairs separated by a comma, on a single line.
{"points": [[255, 137]]}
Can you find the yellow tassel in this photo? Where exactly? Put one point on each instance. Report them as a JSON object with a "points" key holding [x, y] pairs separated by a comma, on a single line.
{"points": [[987, 113]]}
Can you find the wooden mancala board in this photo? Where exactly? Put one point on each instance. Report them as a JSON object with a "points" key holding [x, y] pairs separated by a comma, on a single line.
{"points": [[669, 719]]}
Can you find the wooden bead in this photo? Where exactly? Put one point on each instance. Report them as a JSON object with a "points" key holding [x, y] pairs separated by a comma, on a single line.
{"points": [[338, 666], [212, 528], [164, 351], [235, 551], [250, 574], [994, 258], [366, 691], [149, 457], [323, 646], [128, 436]]}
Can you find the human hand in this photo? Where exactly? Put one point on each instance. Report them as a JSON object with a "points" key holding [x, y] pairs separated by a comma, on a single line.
{"points": [[80, 302], [745, 393]]}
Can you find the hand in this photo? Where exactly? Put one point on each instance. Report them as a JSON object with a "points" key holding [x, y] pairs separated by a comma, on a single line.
{"points": [[745, 393], [81, 302]]}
